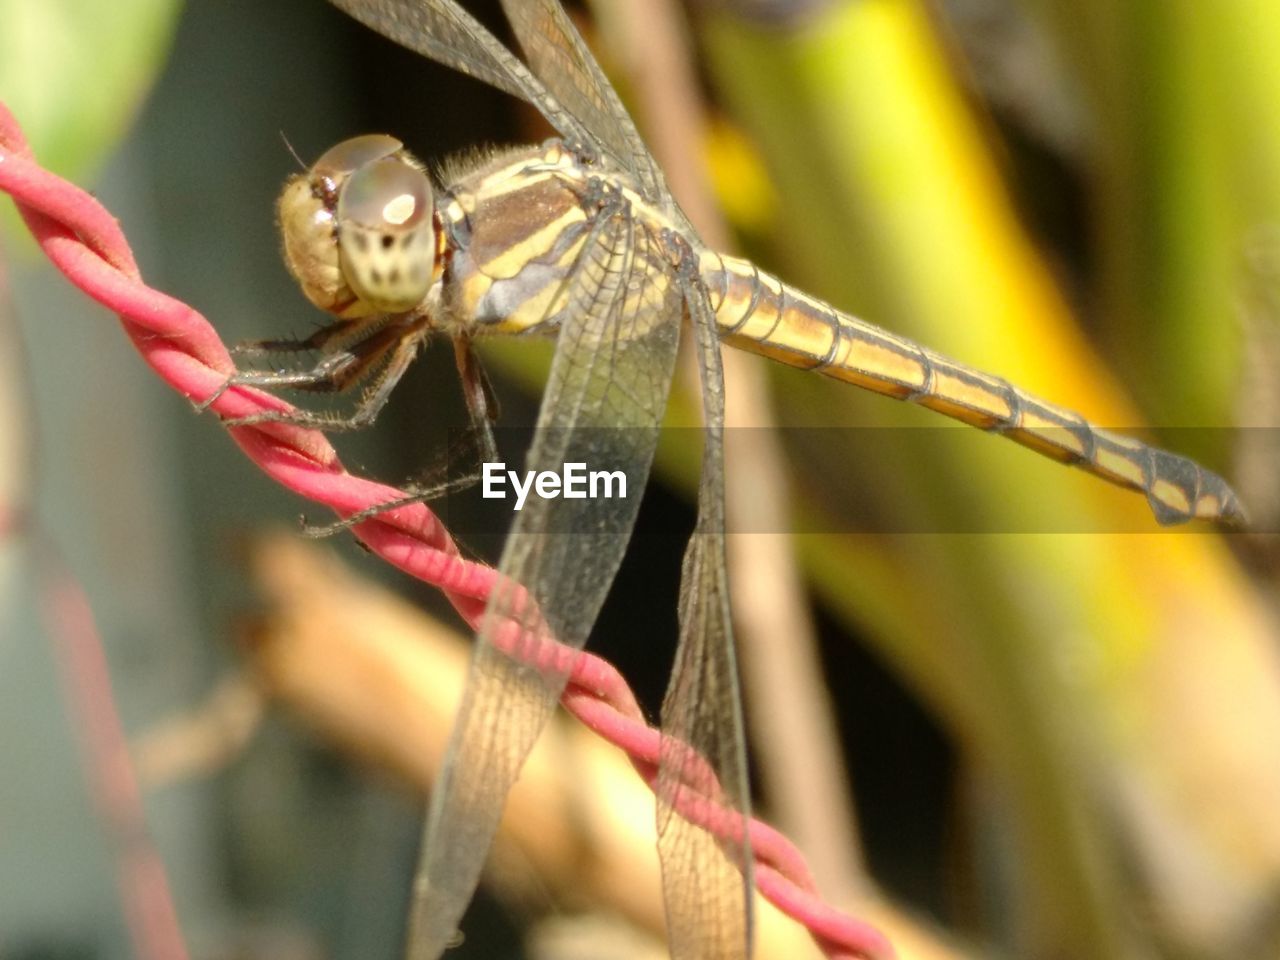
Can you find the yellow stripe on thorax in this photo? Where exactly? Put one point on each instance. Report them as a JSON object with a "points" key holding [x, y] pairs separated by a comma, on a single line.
{"points": [[517, 216]]}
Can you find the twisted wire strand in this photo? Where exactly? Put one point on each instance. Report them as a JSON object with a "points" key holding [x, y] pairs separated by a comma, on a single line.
{"points": [[86, 244]]}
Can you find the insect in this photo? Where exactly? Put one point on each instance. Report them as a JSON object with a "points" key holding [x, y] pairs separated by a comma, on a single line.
{"points": [[580, 238]]}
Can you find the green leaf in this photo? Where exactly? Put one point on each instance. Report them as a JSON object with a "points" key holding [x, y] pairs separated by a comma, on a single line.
{"points": [[74, 72]]}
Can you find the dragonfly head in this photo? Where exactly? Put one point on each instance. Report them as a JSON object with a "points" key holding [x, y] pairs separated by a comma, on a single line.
{"points": [[359, 230]]}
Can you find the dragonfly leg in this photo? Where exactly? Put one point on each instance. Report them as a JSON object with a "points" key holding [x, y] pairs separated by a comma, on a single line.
{"points": [[384, 357], [473, 448], [435, 483], [329, 335], [477, 390]]}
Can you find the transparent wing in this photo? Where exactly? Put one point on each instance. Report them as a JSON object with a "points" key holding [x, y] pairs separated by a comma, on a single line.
{"points": [[444, 32], [703, 798], [563, 63], [619, 327]]}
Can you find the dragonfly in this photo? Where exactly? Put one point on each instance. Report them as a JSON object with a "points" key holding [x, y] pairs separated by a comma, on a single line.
{"points": [[579, 238]]}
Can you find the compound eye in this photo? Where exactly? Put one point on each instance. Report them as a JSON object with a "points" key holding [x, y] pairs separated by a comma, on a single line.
{"points": [[386, 235], [387, 194], [351, 155]]}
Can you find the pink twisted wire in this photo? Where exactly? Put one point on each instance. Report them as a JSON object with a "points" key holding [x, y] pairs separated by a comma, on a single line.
{"points": [[87, 245]]}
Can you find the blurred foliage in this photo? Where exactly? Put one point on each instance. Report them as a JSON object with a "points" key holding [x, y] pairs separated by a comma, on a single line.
{"points": [[75, 72], [1185, 98]]}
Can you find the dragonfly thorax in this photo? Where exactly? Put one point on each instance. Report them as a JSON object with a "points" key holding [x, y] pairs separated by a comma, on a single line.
{"points": [[359, 230], [518, 224]]}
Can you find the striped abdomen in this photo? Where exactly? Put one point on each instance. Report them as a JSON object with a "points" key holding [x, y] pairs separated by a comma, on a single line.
{"points": [[757, 312]]}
